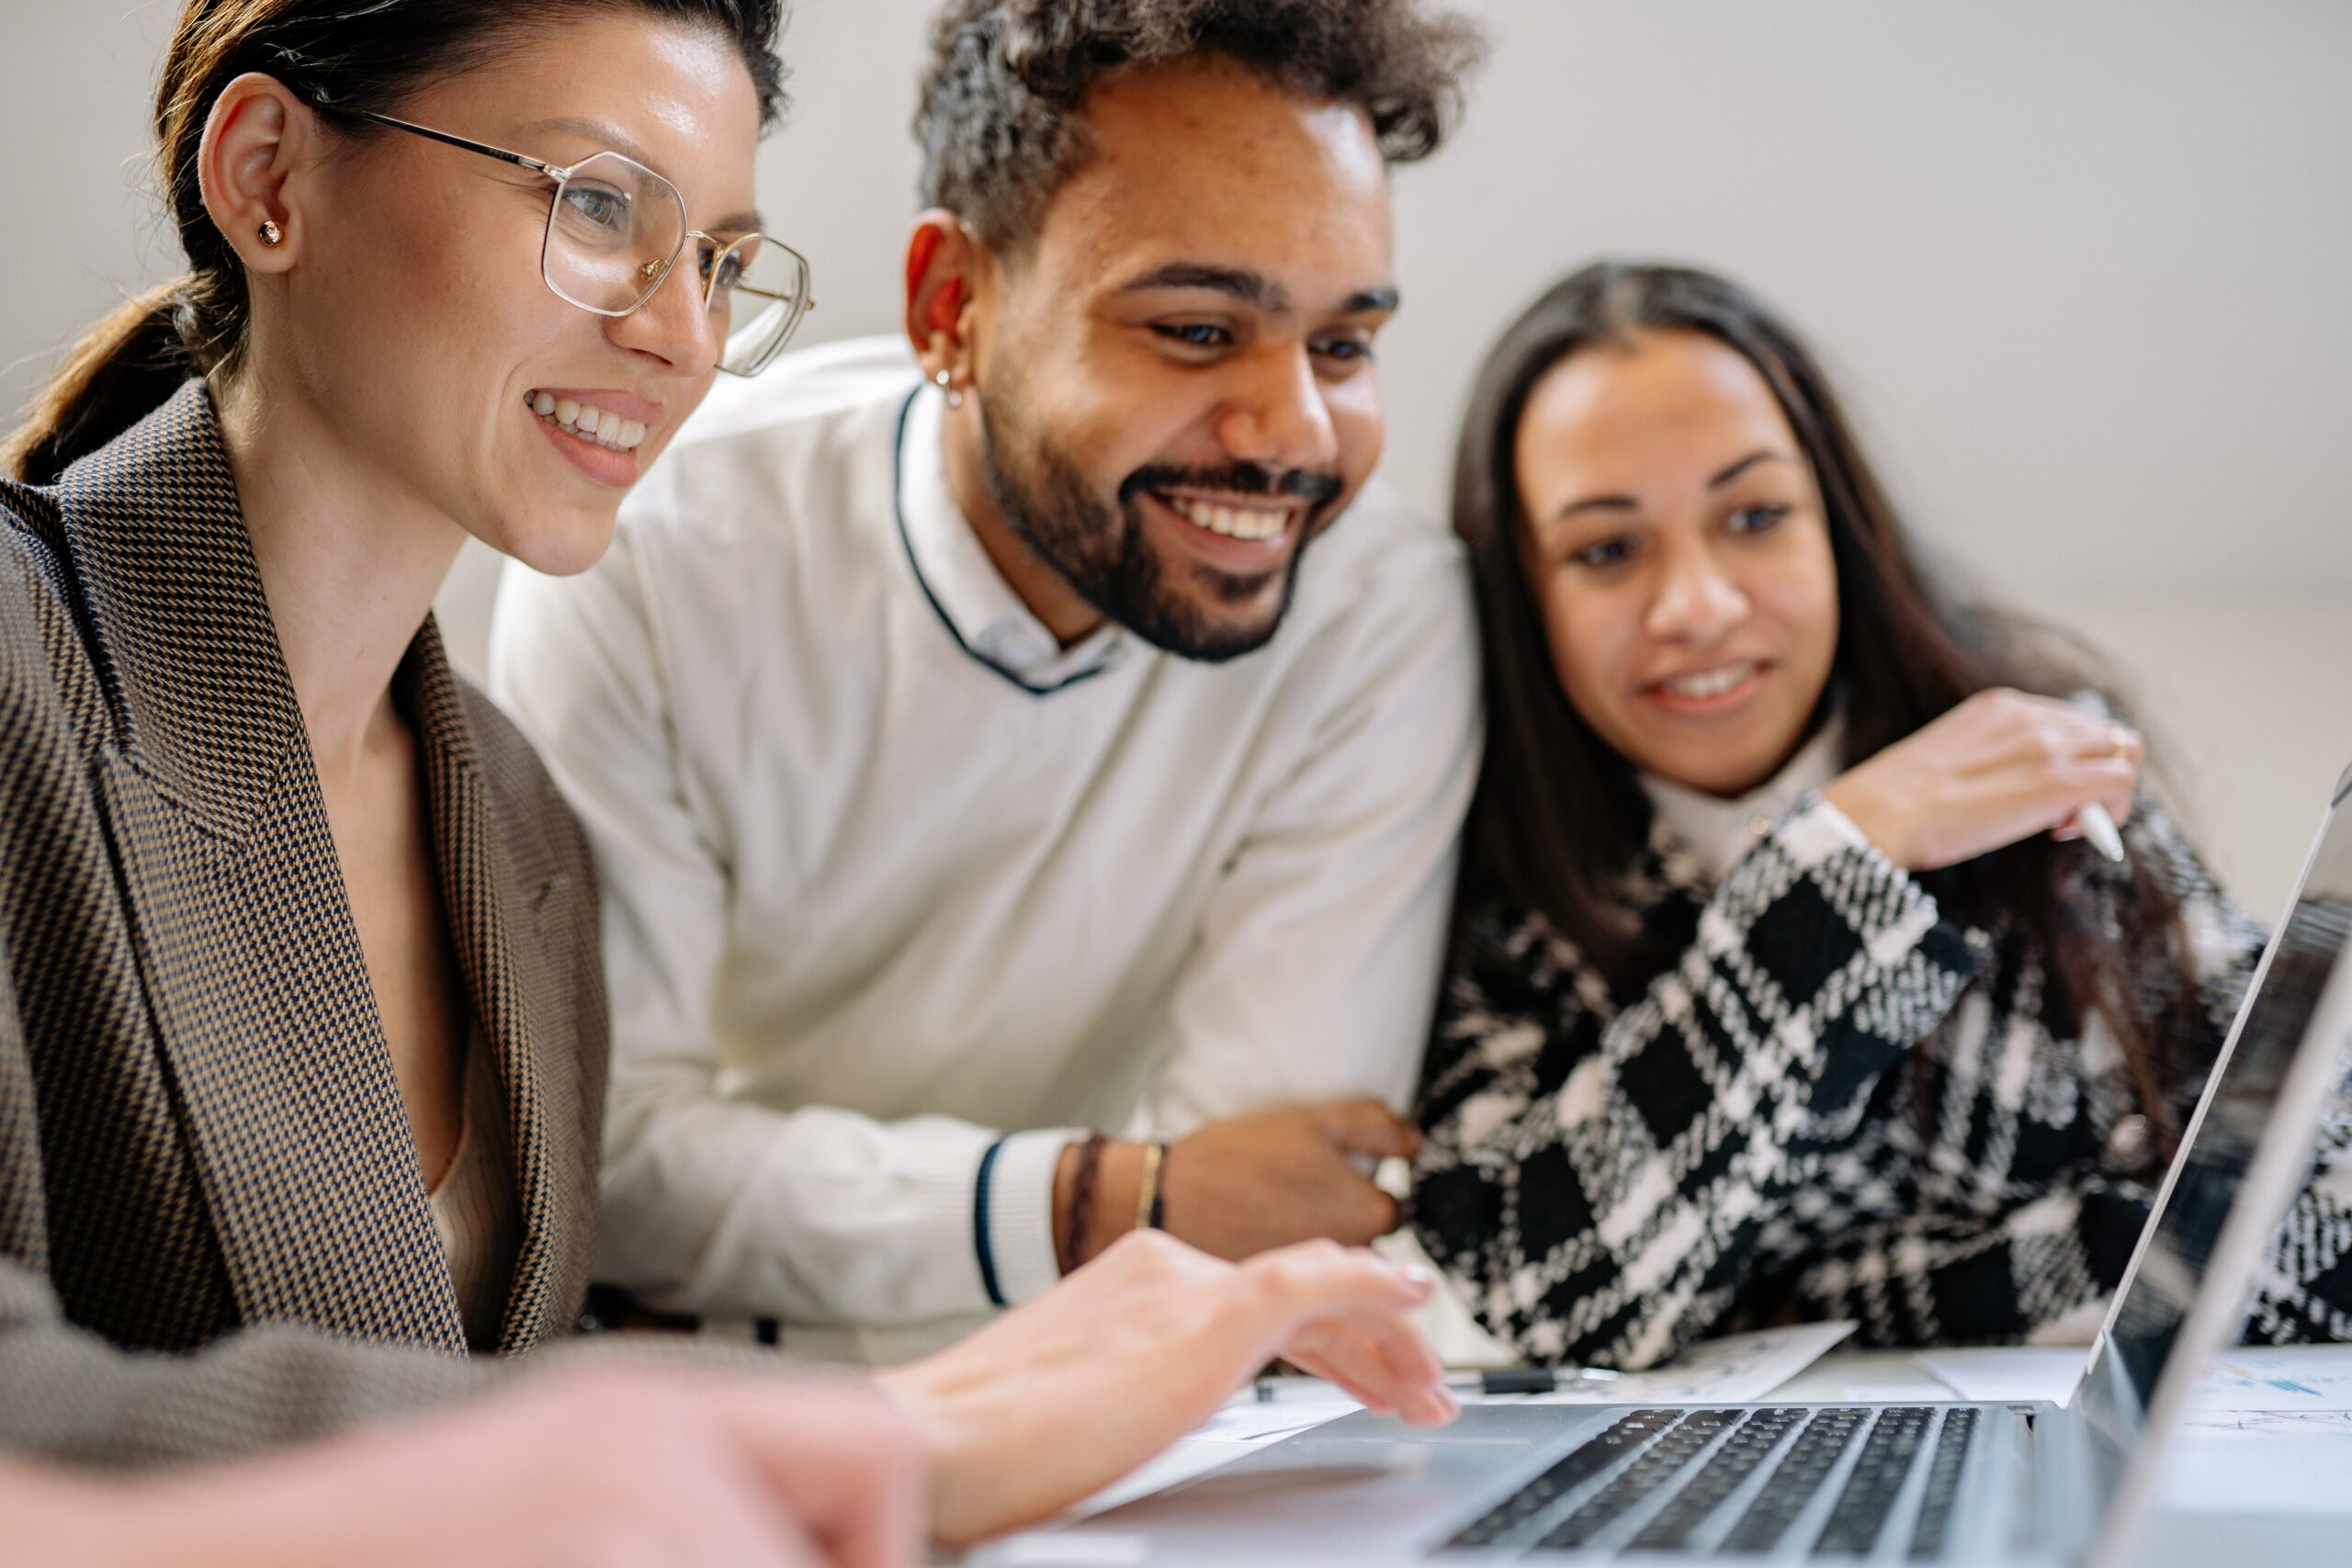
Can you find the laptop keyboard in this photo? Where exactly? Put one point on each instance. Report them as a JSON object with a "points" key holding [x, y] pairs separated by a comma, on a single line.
{"points": [[1666, 1480]]}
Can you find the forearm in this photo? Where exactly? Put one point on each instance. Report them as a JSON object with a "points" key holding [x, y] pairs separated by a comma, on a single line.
{"points": [[820, 1215]]}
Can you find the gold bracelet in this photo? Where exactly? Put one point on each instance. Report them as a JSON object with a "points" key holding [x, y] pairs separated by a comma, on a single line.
{"points": [[1147, 1196]]}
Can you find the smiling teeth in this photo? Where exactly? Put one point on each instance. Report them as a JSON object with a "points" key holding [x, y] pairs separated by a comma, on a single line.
{"points": [[587, 422], [1254, 523], [1709, 683]]}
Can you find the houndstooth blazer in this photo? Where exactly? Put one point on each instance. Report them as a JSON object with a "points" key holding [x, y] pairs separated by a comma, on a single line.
{"points": [[203, 1147], [1844, 1101]]}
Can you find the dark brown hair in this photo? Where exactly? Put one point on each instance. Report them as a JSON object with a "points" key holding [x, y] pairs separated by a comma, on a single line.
{"points": [[998, 117], [342, 57], [1560, 815]]}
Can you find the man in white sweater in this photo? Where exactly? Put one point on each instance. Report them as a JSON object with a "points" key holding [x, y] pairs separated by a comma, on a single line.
{"points": [[978, 756]]}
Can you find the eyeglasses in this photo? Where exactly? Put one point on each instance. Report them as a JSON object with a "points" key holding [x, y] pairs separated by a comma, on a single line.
{"points": [[615, 231]]}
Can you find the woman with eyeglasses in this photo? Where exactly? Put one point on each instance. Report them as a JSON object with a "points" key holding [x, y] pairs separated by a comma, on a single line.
{"points": [[301, 1019], [1786, 984]]}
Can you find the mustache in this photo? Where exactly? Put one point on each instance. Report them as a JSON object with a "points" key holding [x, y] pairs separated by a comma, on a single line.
{"points": [[1317, 490]]}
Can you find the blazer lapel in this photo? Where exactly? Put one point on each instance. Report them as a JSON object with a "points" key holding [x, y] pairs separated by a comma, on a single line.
{"points": [[491, 899], [252, 966]]}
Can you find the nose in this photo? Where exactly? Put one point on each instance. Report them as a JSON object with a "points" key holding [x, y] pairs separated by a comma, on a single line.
{"points": [[1698, 603], [673, 325], [1277, 415]]}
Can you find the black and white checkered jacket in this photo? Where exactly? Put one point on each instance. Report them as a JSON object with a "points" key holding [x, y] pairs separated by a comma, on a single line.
{"points": [[1748, 1141]]}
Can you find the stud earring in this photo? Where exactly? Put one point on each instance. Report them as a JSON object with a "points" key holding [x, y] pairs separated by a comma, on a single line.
{"points": [[946, 380], [271, 234]]}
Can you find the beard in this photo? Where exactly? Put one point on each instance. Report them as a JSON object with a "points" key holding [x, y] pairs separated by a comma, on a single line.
{"points": [[1101, 549]]}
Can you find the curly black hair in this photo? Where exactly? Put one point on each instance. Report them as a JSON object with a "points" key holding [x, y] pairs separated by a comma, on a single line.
{"points": [[998, 121]]}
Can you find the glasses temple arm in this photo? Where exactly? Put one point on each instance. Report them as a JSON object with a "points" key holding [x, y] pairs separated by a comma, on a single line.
{"points": [[485, 148]]}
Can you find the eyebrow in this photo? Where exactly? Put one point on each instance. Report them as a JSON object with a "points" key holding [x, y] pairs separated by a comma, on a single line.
{"points": [[607, 137], [1761, 455], [1627, 504], [613, 138], [1251, 287]]}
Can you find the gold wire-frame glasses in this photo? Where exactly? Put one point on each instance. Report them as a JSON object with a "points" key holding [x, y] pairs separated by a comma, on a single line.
{"points": [[615, 230]]}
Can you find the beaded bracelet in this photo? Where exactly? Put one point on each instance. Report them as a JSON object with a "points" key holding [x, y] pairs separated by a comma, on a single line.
{"points": [[1081, 1196]]}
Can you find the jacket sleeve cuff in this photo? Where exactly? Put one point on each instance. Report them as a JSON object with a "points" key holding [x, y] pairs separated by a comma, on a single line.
{"points": [[1013, 1214], [1871, 899]]}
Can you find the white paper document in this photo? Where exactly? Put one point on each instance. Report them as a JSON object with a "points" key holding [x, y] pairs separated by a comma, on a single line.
{"points": [[1734, 1370], [2268, 1429], [2276, 1378]]}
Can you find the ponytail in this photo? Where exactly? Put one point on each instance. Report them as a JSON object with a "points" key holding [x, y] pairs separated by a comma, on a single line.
{"points": [[120, 370]]}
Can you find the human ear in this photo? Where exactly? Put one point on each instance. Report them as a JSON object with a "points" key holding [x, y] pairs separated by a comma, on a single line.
{"points": [[255, 139], [945, 263]]}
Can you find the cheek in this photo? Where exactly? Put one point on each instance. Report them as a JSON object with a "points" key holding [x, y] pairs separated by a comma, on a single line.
{"points": [[419, 332], [1592, 634], [1360, 425], [1801, 591]]}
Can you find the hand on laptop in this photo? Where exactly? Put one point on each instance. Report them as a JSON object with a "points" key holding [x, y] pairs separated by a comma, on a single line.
{"points": [[1999, 768], [1062, 1396], [1251, 1183]]}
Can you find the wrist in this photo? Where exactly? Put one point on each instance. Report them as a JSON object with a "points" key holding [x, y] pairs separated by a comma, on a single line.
{"points": [[1115, 1195], [1859, 806], [1110, 1195], [915, 1389]]}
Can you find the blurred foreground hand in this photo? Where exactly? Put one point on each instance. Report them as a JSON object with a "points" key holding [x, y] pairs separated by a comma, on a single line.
{"points": [[572, 1469]]}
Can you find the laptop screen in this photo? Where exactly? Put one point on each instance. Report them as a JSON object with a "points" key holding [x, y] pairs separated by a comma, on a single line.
{"points": [[2211, 1173]]}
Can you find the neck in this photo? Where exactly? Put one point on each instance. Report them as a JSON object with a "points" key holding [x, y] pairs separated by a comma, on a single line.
{"points": [[349, 564], [1059, 607]]}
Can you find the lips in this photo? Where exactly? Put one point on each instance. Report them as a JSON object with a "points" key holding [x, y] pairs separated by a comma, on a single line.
{"points": [[1713, 682], [1251, 520], [597, 432], [616, 420], [1707, 689]]}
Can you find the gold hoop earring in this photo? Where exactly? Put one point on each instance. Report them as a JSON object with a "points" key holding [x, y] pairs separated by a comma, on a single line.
{"points": [[271, 234]]}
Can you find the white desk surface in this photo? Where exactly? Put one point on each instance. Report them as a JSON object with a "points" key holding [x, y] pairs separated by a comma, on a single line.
{"points": [[2233, 1499]]}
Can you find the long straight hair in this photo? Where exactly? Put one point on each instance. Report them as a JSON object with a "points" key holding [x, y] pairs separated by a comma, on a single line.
{"points": [[343, 57], [1560, 815]]}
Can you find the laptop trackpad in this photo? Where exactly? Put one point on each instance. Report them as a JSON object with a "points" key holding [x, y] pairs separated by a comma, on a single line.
{"points": [[1357, 1480]]}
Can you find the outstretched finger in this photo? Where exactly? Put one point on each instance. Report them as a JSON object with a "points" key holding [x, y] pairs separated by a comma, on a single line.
{"points": [[1340, 1371], [1391, 1358]]}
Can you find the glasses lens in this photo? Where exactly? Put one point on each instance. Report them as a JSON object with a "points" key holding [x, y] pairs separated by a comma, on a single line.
{"points": [[613, 231], [760, 291]]}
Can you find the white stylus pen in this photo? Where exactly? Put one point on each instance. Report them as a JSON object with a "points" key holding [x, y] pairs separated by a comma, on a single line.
{"points": [[2099, 829]]}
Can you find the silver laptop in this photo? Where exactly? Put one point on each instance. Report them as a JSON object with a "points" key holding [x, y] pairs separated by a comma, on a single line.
{"points": [[1933, 1483]]}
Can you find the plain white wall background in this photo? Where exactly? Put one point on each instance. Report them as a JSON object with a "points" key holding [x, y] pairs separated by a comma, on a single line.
{"points": [[2079, 267]]}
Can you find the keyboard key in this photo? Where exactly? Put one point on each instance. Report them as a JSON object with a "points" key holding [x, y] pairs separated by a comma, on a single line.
{"points": [[1943, 1483], [1874, 1483], [1795, 1481], [1659, 1464], [1731, 1464], [1579, 1466]]}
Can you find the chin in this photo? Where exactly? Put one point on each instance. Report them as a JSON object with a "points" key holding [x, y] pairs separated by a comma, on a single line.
{"points": [[1711, 772], [556, 545]]}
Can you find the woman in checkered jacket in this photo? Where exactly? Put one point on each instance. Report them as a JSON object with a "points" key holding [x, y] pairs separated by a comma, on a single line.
{"points": [[1785, 985]]}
